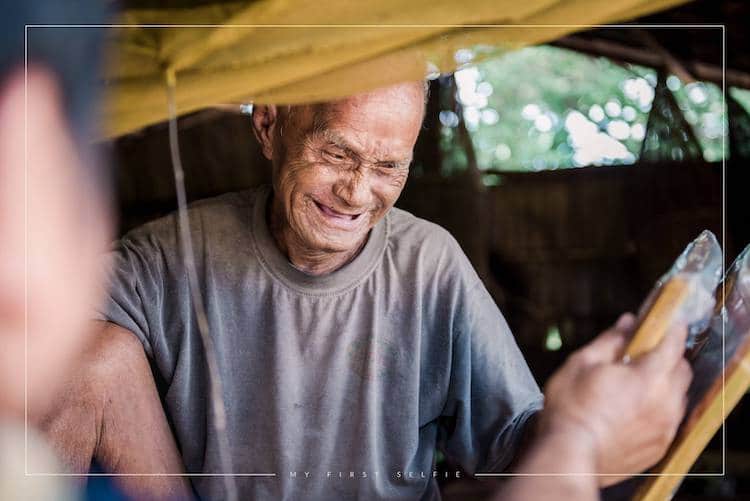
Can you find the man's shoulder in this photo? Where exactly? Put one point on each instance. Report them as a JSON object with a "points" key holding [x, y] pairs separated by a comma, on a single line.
{"points": [[225, 217], [406, 228], [205, 216], [416, 243], [429, 250]]}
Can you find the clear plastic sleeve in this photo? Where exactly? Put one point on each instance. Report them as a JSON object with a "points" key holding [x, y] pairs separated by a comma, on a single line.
{"points": [[682, 296]]}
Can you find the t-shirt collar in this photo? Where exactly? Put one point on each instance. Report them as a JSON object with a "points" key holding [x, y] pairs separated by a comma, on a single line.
{"points": [[342, 280]]}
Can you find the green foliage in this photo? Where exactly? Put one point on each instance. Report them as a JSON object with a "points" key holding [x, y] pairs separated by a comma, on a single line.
{"points": [[702, 105], [547, 108], [742, 96]]}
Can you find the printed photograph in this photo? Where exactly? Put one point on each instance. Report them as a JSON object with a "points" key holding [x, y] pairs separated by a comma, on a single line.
{"points": [[336, 250]]}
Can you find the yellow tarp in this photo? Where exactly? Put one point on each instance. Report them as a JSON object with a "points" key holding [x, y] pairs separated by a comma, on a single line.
{"points": [[248, 51]]}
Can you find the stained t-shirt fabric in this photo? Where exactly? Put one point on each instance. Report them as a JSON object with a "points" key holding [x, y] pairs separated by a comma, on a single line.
{"points": [[341, 385]]}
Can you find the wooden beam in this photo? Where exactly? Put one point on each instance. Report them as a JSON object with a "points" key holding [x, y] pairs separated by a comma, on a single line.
{"points": [[700, 428], [647, 57]]}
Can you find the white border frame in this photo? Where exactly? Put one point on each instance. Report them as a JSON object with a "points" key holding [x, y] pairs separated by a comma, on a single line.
{"points": [[498, 26]]}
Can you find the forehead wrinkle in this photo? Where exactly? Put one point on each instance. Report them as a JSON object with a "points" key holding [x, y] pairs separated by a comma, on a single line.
{"points": [[322, 129], [373, 152]]}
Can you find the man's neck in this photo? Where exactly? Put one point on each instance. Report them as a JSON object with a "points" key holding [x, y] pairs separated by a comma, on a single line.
{"points": [[311, 261]]}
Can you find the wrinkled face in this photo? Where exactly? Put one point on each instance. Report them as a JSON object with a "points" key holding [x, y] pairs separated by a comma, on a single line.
{"points": [[339, 167]]}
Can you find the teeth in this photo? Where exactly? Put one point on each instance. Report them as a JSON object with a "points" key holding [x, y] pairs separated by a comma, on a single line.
{"points": [[333, 212]]}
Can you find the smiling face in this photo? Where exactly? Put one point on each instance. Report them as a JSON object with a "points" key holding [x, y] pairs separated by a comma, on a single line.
{"points": [[339, 167]]}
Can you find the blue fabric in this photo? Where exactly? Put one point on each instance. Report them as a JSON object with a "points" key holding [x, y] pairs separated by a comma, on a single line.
{"points": [[102, 488]]}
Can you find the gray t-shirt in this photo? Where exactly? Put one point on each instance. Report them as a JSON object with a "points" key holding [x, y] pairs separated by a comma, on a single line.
{"points": [[342, 385]]}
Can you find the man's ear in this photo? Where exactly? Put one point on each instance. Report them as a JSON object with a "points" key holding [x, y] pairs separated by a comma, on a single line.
{"points": [[265, 120]]}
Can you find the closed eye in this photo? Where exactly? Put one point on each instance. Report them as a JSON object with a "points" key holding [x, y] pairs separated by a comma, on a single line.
{"points": [[336, 156], [394, 165]]}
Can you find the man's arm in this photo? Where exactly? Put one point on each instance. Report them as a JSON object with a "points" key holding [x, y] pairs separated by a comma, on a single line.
{"points": [[492, 395], [558, 465], [110, 411], [596, 406]]}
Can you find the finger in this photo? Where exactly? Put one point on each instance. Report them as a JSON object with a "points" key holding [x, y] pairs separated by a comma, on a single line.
{"points": [[608, 346], [605, 348], [684, 406], [625, 323], [679, 408], [668, 353], [682, 376], [649, 456]]}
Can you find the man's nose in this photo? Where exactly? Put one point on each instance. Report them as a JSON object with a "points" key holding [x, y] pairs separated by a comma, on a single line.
{"points": [[353, 188]]}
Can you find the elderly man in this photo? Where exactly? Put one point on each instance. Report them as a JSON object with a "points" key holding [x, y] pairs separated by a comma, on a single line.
{"points": [[352, 337]]}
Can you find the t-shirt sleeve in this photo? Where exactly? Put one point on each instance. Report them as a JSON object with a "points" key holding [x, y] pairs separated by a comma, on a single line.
{"points": [[135, 293], [491, 393]]}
